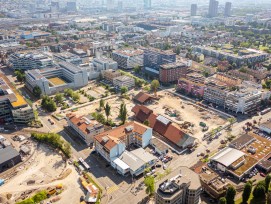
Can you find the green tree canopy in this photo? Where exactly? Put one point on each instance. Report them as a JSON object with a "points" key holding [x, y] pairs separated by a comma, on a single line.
{"points": [[59, 98], [107, 110], [230, 195], [149, 183], [259, 191], [37, 91], [123, 89], [155, 85], [222, 200], [246, 192]]}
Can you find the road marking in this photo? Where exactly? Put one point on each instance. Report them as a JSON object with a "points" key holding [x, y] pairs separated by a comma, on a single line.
{"points": [[112, 189]]}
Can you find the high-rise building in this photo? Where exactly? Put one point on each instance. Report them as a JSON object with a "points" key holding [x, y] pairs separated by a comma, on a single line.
{"points": [[147, 4], [54, 6], [213, 8], [110, 5], [71, 6], [227, 9], [194, 8]]}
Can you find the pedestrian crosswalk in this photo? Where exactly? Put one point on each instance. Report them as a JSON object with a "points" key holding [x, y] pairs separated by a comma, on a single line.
{"points": [[112, 189]]}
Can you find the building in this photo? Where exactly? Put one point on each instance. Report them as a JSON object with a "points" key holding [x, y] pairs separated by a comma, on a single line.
{"points": [[181, 186], [124, 81], [27, 61], [212, 183], [68, 57], [28, 35], [143, 98], [85, 127], [228, 79], [134, 162], [244, 99], [266, 127], [194, 8], [111, 74], [163, 127], [56, 79], [251, 56], [192, 85], [215, 92], [111, 144], [170, 73], [154, 58], [147, 4], [71, 6], [9, 158], [104, 63], [213, 8], [13, 107], [227, 11], [128, 59]]}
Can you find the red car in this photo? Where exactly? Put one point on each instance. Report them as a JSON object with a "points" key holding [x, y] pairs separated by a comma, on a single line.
{"points": [[262, 174]]}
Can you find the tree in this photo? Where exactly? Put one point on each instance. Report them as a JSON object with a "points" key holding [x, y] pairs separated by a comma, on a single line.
{"points": [[48, 104], [59, 98], [259, 191], [19, 75], [101, 104], [75, 97], [107, 111], [230, 194], [222, 200], [178, 50], [123, 90], [231, 120], [146, 122], [149, 183], [36, 91], [267, 182], [68, 92], [268, 198], [246, 192], [155, 85], [123, 113], [137, 69]]}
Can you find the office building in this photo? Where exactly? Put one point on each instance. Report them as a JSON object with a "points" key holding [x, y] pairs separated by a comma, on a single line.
{"points": [[13, 107], [170, 73], [227, 11], [128, 59], [56, 79], [124, 81], [154, 58], [181, 186], [104, 63], [68, 57], [213, 8], [85, 127], [147, 4], [194, 8], [71, 6], [27, 61]]}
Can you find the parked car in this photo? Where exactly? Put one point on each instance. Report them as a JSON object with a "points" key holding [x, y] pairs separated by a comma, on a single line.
{"points": [[262, 174]]}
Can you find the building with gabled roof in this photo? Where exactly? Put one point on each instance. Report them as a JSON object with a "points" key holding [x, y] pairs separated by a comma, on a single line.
{"points": [[164, 127]]}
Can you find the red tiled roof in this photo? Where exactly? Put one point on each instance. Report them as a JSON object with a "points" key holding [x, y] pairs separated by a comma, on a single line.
{"points": [[170, 131], [119, 133], [142, 97]]}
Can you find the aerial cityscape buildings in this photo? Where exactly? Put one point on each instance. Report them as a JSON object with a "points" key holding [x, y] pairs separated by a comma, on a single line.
{"points": [[132, 102]]}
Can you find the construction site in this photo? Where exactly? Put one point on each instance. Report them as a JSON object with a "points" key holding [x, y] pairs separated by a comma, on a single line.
{"points": [[45, 170]]}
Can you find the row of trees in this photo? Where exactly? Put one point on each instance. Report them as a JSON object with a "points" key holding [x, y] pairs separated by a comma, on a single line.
{"points": [[54, 140], [260, 191]]}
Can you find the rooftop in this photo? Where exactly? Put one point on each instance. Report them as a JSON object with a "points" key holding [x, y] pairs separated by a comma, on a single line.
{"points": [[7, 154]]}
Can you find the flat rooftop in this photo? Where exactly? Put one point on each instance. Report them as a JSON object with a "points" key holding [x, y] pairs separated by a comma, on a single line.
{"points": [[56, 81]]}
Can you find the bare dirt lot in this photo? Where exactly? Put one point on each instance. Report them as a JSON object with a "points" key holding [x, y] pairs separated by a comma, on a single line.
{"points": [[46, 168]]}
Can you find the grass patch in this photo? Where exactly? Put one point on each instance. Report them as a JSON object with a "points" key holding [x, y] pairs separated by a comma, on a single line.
{"points": [[37, 198]]}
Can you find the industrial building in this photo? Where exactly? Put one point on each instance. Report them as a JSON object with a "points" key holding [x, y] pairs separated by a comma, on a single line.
{"points": [[57, 79], [128, 59], [28, 61], [13, 107], [9, 158], [180, 186]]}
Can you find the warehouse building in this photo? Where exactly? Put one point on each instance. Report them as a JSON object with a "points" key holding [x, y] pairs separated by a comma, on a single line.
{"points": [[9, 158]]}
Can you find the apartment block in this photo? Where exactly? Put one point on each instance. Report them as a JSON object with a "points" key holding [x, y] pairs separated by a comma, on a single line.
{"points": [[244, 99], [13, 107], [154, 58], [228, 79], [215, 91], [104, 63], [169, 73], [68, 57], [190, 87], [54, 80], [181, 186], [85, 127], [128, 59], [28, 61]]}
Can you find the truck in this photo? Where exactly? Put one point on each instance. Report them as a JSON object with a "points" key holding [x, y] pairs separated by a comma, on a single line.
{"points": [[202, 124]]}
